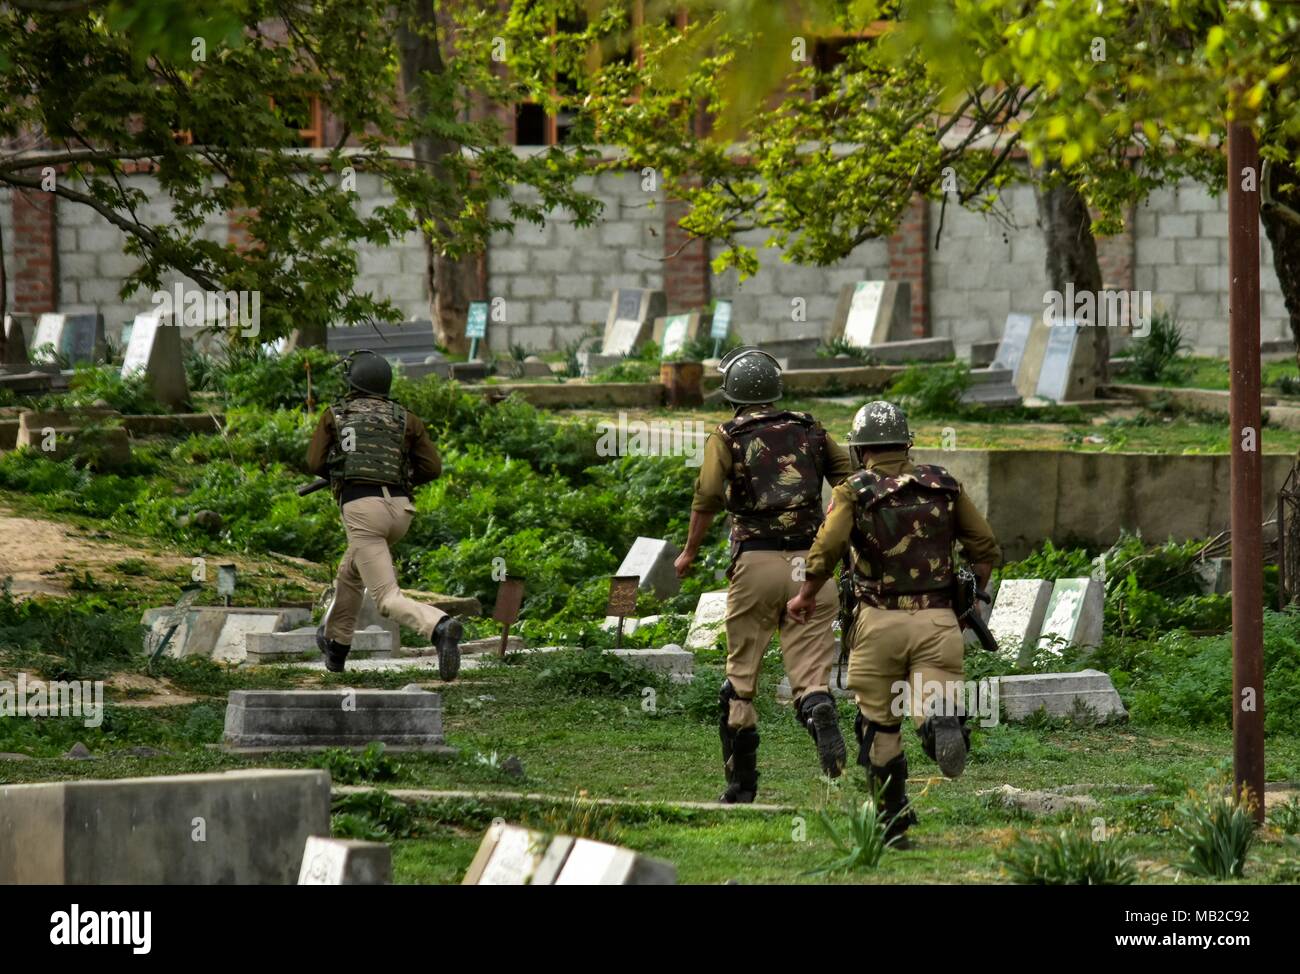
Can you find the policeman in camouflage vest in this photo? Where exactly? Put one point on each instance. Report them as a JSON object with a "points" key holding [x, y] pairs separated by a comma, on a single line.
{"points": [[902, 522], [375, 452], [765, 467]]}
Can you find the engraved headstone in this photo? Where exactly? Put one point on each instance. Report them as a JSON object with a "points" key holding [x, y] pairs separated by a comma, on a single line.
{"points": [[1011, 349], [632, 312], [652, 560], [511, 855], [710, 620], [1018, 614], [873, 313], [155, 350], [673, 332], [345, 862], [1066, 372], [78, 338], [1074, 614]]}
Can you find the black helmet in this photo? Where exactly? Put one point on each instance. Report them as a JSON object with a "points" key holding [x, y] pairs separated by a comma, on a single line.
{"points": [[750, 375], [880, 423], [369, 372]]}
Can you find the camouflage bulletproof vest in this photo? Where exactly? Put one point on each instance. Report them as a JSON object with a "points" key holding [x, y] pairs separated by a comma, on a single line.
{"points": [[371, 441], [904, 530], [778, 460]]}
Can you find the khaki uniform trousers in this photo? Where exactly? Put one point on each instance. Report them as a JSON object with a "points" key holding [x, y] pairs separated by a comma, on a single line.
{"points": [[896, 645], [372, 524], [761, 584]]}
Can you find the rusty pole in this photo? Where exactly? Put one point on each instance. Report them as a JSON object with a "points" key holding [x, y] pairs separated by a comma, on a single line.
{"points": [[1245, 446]]}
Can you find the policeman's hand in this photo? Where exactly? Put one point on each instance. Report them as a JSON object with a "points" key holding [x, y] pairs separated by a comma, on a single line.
{"points": [[800, 608], [683, 563]]}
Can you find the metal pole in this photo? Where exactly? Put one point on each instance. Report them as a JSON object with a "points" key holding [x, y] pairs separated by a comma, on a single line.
{"points": [[1245, 446]]}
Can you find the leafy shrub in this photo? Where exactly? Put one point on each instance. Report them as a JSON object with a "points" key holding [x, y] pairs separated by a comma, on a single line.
{"points": [[581, 818], [1068, 859], [68, 639], [1217, 831], [1051, 563], [96, 383], [931, 390], [863, 843], [374, 816], [629, 370], [347, 767], [590, 673], [1286, 817], [839, 346], [269, 381], [1154, 356]]}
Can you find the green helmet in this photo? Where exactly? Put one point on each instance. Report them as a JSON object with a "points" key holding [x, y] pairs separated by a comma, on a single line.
{"points": [[880, 423], [369, 372], [750, 375]]}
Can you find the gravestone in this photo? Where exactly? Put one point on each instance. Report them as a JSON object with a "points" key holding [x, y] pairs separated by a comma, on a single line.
{"points": [[1065, 374], [345, 862], [155, 350], [651, 560], [991, 387], [1031, 360], [1011, 348], [277, 647], [309, 720], [202, 629], [1074, 614], [913, 350], [142, 831], [1018, 614], [983, 353], [673, 332], [671, 661], [873, 313], [632, 311], [710, 620], [1060, 695], [511, 855], [17, 327], [79, 338]]}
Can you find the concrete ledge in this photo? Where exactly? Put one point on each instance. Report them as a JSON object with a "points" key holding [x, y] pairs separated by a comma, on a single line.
{"points": [[141, 831], [574, 395], [277, 647], [1060, 695], [1208, 400]]}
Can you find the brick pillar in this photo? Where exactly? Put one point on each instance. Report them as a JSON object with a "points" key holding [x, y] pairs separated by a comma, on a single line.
{"points": [[34, 280], [686, 269], [1116, 256], [909, 260]]}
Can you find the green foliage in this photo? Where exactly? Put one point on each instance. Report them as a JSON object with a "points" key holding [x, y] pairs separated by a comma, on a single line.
{"points": [[1051, 563], [67, 639], [862, 844], [348, 767], [1155, 356], [592, 673], [269, 381], [931, 390], [840, 346], [581, 818], [1217, 832], [93, 384], [1068, 859], [629, 370], [374, 816], [1285, 817]]}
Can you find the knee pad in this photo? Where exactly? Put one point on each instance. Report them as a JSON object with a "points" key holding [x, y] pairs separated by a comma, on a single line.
{"points": [[926, 733], [865, 731], [803, 713], [725, 696]]}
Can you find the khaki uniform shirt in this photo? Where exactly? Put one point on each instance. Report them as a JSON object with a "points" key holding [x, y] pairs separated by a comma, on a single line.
{"points": [[972, 529]]}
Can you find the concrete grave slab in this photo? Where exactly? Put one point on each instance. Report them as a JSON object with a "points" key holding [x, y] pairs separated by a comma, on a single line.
{"points": [[1060, 695], [1074, 614], [202, 628], [1066, 371], [672, 661], [710, 620], [1018, 614], [671, 333], [141, 831], [873, 313], [511, 855], [912, 350], [277, 647], [79, 338], [317, 719], [651, 559], [345, 862], [632, 311], [1011, 347], [155, 349]]}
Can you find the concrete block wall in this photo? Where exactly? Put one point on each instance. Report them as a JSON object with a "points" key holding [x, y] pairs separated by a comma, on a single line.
{"points": [[556, 279]]}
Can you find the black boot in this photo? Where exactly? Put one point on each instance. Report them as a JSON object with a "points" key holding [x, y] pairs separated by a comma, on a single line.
{"points": [[818, 713], [946, 740], [336, 654], [446, 637], [890, 782], [740, 757]]}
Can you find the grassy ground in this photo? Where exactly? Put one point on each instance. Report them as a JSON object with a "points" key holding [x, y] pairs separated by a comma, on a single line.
{"points": [[612, 747], [1118, 430]]}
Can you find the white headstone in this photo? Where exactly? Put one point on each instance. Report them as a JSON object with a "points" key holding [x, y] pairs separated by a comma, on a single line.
{"points": [[1011, 348], [874, 313], [1065, 374], [651, 559], [710, 620], [1075, 614], [513, 856], [1018, 614], [677, 330], [155, 350], [345, 862], [77, 337]]}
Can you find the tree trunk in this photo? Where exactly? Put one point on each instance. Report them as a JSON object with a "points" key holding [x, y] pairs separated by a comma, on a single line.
{"points": [[1284, 234], [1071, 256], [4, 298], [451, 283]]}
